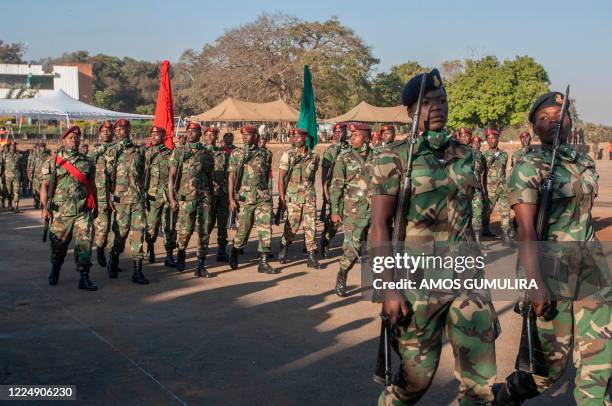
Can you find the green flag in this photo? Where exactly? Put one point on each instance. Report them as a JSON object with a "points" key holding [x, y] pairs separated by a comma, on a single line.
{"points": [[308, 113]]}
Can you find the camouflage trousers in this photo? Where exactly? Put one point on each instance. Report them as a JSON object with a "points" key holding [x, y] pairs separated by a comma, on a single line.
{"points": [[129, 222], [355, 231], [471, 326], [498, 196], [477, 211], [190, 213], [589, 326], [101, 225], [298, 214], [219, 214], [13, 187], [65, 228], [258, 214], [159, 213], [36, 190]]}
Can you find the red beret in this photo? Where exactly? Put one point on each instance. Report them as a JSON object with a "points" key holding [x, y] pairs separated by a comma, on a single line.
{"points": [[376, 134], [340, 125], [194, 125], [158, 129], [74, 129], [475, 137], [359, 126], [387, 127], [105, 124], [249, 129], [122, 122], [464, 130], [300, 131], [491, 131], [212, 129]]}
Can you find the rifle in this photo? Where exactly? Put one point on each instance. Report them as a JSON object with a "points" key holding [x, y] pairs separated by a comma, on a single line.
{"points": [[50, 194], [280, 210], [384, 371], [237, 185], [530, 358], [177, 181]]}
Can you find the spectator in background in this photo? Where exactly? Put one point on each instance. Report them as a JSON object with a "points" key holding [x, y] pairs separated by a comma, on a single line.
{"points": [[610, 150]]}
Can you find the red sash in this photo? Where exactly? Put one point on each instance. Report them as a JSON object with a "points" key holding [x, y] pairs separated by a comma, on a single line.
{"points": [[78, 175]]}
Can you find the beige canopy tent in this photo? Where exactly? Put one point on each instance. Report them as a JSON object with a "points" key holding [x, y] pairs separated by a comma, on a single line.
{"points": [[366, 113], [238, 110]]}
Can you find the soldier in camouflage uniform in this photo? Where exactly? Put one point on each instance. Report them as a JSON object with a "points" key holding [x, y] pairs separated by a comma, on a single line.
{"points": [[102, 223], [496, 188], [349, 193], [12, 176], [339, 144], [387, 135], [30, 172], [439, 211], [125, 193], [41, 157], [299, 165], [157, 201], [525, 138], [3, 196], [219, 210], [253, 199], [587, 321], [193, 165], [480, 165], [73, 206]]}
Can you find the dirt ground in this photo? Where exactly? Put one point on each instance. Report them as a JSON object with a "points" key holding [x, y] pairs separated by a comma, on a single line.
{"points": [[242, 337]]}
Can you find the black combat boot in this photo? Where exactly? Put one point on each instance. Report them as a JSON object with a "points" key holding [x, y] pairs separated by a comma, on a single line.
{"points": [[150, 251], [100, 256], [54, 274], [487, 233], [233, 261], [222, 254], [138, 277], [201, 271], [113, 265], [323, 243], [263, 266], [282, 253], [84, 282], [16, 210], [180, 260], [506, 240], [341, 282], [312, 261], [169, 261]]}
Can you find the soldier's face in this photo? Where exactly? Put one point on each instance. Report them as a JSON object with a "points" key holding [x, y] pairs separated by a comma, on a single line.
{"points": [[106, 135], [228, 139], [249, 138], [210, 138], [299, 140], [492, 140], [157, 137], [339, 134], [434, 110], [375, 141], [476, 144], [526, 140], [546, 120], [358, 138], [122, 132], [465, 138], [193, 135], [12, 147], [84, 149], [388, 136], [72, 141]]}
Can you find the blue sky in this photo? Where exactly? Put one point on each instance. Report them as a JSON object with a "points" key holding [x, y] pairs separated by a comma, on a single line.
{"points": [[572, 40]]}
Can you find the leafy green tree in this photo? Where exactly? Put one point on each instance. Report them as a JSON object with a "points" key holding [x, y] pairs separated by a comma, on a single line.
{"points": [[11, 53]]}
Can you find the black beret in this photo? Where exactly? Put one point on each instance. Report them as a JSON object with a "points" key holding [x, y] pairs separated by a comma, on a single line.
{"points": [[546, 100], [410, 94]]}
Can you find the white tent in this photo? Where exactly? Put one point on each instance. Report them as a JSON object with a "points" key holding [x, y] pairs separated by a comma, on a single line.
{"points": [[58, 105]]}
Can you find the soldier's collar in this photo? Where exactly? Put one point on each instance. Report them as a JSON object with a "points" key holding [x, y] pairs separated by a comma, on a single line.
{"points": [[567, 153], [193, 145], [436, 140]]}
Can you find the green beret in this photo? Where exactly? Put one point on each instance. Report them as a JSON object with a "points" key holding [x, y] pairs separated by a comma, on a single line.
{"points": [[546, 100], [410, 95]]}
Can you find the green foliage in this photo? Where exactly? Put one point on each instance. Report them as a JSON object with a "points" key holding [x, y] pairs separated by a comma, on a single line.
{"points": [[11, 53]]}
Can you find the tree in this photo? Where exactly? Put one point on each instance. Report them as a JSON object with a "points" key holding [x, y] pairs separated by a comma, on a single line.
{"points": [[11, 53], [451, 69], [407, 70]]}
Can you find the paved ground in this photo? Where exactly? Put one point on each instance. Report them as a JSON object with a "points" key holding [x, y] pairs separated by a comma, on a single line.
{"points": [[239, 338]]}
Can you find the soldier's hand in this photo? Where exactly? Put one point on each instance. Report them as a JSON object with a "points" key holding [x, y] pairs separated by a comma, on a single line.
{"points": [[394, 307], [232, 204], [335, 218], [44, 213], [282, 202], [172, 204]]}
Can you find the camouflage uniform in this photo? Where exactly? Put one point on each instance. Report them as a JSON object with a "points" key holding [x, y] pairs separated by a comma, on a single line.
{"points": [[193, 195], [2, 182], [440, 204], [479, 168], [102, 223], [497, 191], [301, 196], [156, 187], [330, 154], [219, 211], [70, 218], [519, 154], [12, 176], [585, 322], [125, 172], [254, 196], [39, 157]]}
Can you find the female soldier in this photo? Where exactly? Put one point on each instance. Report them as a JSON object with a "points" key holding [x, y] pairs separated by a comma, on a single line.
{"points": [[439, 210], [587, 322]]}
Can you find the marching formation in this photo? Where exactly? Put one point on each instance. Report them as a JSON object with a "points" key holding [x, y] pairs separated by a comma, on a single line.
{"points": [[431, 186]]}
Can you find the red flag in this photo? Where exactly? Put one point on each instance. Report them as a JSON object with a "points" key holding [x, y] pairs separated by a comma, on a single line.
{"points": [[164, 111]]}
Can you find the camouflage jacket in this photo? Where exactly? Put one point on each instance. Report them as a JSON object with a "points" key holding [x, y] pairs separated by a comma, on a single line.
{"points": [[301, 185], [195, 173], [331, 153], [156, 171], [480, 166], [124, 172], [574, 190], [35, 163], [255, 182], [97, 157], [221, 163], [12, 164], [520, 154], [496, 169], [70, 195], [350, 181], [443, 184]]}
